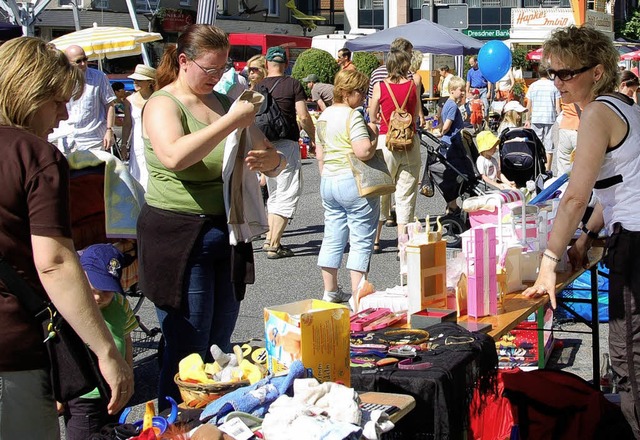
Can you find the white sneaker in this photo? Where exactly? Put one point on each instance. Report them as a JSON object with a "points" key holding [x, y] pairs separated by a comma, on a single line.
{"points": [[336, 297]]}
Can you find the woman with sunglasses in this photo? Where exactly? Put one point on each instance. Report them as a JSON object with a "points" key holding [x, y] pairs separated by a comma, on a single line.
{"points": [[257, 70], [584, 66], [183, 236]]}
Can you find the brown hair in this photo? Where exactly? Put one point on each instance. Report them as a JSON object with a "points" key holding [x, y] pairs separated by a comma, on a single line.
{"points": [[347, 81], [33, 72], [628, 78], [196, 39]]}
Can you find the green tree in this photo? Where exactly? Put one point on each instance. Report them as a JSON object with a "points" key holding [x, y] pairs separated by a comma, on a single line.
{"points": [[316, 61], [519, 58], [631, 29], [365, 62]]}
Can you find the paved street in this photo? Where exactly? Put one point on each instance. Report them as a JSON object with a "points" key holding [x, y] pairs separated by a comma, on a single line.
{"points": [[291, 279]]}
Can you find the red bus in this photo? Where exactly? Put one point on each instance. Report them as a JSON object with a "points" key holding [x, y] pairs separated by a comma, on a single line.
{"points": [[244, 46]]}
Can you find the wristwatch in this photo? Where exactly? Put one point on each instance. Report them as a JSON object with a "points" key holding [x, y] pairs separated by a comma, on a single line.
{"points": [[592, 235]]}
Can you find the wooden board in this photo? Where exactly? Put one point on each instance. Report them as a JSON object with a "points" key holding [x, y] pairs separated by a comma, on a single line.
{"points": [[403, 401]]}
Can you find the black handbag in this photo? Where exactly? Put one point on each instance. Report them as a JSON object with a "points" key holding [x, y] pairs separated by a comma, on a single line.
{"points": [[73, 367]]}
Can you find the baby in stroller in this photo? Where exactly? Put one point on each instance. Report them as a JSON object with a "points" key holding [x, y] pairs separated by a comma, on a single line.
{"points": [[522, 155]]}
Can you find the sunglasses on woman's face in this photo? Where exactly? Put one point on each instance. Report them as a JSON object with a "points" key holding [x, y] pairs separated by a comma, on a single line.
{"points": [[254, 69], [566, 74]]}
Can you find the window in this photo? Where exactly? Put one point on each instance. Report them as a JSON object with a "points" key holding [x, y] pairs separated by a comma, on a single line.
{"points": [[187, 3], [273, 7], [146, 5], [372, 4], [101, 4]]}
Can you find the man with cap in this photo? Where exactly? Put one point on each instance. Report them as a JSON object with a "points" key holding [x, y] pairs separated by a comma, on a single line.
{"points": [[102, 263], [286, 188], [321, 93], [92, 116]]}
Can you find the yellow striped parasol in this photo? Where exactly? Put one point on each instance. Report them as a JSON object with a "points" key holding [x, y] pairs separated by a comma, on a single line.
{"points": [[107, 42]]}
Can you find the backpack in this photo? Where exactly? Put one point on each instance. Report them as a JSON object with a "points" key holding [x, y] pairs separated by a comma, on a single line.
{"points": [[270, 119], [401, 128]]}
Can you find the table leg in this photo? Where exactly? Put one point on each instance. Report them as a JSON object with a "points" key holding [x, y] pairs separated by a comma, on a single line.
{"points": [[595, 327]]}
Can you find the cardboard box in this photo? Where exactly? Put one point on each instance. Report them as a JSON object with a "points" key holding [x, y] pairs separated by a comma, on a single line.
{"points": [[314, 331]]}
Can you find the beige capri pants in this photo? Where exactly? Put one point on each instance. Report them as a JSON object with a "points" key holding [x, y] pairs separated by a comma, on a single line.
{"points": [[404, 167]]}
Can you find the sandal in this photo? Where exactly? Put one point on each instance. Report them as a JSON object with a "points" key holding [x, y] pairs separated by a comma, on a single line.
{"points": [[376, 248], [281, 252]]}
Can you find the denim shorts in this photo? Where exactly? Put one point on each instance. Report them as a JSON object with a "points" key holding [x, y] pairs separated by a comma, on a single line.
{"points": [[347, 217]]}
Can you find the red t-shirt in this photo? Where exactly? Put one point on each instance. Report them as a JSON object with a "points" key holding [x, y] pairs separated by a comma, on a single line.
{"points": [[34, 177], [400, 92]]}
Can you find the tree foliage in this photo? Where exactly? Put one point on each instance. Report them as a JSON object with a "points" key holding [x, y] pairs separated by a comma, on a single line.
{"points": [[631, 29], [519, 58], [316, 61], [365, 62]]}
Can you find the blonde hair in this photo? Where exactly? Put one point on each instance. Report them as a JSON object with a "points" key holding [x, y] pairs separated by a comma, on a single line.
{"points": [[398, 64], [347, 81], [512, 117], [585, 46], [262, 61], [33, 72], [193, 42], [455, 83], [416, 60]]}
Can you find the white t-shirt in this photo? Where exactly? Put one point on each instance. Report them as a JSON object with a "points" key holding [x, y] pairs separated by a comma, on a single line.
{"points": [[332, 129], [488, 167], [88, 114]]}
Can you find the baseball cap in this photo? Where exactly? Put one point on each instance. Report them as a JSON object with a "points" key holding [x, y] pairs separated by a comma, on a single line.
{"points": [[486, 140], [475, 92], [514, 105], [103, 265], [311, 78], [143, 73], [277, 54]]}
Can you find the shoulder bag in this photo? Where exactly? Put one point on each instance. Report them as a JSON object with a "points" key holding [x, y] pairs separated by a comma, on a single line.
{"points": [[372, 176], [73, 367]]}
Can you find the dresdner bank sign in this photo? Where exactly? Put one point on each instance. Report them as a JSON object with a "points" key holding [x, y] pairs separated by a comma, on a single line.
{"points": [[488, 34]]}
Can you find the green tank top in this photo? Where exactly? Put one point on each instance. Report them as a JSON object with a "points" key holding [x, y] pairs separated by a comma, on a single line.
{"points": [[194, 190]]}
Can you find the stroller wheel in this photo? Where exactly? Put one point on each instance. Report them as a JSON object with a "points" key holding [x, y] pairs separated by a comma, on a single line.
{"points": [[452, 227]]}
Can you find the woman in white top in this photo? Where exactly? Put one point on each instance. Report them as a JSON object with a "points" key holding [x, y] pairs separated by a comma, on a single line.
{"points": [[144, 79], [341, 130]]}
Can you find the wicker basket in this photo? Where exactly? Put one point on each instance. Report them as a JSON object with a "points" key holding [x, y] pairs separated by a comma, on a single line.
{"points": [[198, 395]]}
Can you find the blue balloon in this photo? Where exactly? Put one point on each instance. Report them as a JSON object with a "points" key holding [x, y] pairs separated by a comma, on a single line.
{"points": [[494, 60]]}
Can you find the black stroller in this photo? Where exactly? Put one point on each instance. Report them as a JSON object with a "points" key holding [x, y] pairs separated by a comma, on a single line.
{"points": [[468, 181], [522, 155]]}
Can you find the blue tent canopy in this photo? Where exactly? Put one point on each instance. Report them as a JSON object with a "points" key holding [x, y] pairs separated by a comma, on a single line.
{"points": [[426, 36]]}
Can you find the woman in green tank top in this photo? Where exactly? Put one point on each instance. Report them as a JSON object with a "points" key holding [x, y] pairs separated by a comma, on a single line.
{"points": [[185, 256]]}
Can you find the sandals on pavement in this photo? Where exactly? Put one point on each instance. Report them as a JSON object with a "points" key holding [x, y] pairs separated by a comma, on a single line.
{"points": [[281, 252], [376, 248]]}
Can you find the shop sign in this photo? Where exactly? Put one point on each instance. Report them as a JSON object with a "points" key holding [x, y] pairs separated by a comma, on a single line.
{"points": [[489, 34], [176, 20], [541, 17]]}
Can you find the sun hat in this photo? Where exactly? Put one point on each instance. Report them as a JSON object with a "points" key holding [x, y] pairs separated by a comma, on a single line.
{"points": [[277, 54], [103, 265], [475, 92], [486, 140], [143, 73], [514, 105], [311, 78]]}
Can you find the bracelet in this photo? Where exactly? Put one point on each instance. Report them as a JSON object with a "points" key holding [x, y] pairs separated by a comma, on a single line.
{"points": [[109, 128], [277, 166], [592, 235], [550, 257], [415, 363]]}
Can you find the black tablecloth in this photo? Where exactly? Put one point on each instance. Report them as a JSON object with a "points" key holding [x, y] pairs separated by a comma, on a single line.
{"points": [[443, 391]]}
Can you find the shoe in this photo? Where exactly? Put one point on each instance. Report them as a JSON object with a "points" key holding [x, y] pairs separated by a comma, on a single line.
{"points": [[336, 297], [376, 248], [390, 223], [267, 247], [281, 252]]}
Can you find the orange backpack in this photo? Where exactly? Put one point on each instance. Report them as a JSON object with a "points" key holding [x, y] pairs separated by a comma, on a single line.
{"points": [[401, 128]]}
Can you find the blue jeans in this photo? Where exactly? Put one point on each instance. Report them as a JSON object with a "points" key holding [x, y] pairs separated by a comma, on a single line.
{"points": [[347, 216], [208, 311]]}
